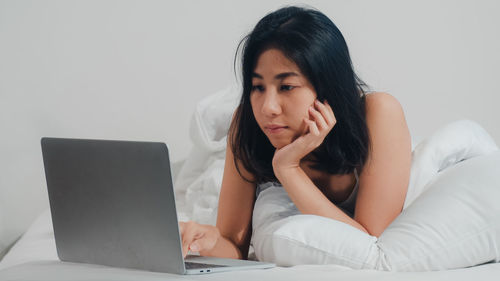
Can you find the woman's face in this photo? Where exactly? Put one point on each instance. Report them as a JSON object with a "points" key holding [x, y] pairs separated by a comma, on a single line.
{"points": [[280, 98]]}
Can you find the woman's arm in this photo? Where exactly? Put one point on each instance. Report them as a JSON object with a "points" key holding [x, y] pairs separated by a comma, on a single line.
{"points": [[383, 181], [309, 199], [234, 215], [230, 238], [386, 174]]}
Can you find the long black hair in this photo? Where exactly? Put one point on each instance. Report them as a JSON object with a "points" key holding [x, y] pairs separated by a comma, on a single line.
{"points": [[311, 40]]}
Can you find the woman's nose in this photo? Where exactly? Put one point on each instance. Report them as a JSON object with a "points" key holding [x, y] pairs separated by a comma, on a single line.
{"points": [[271, 105]]}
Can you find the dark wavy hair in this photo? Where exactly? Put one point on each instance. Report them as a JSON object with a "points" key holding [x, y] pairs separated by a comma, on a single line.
{"points": [[311, 40]]}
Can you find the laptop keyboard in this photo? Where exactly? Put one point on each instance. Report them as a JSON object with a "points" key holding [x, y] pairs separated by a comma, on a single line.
{"points": [[194, 265]]}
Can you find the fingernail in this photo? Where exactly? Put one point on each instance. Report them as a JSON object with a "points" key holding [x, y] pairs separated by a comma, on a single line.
{"points": [[194, 248]]}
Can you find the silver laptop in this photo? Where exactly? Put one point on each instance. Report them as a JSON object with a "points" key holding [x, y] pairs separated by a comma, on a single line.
{"points": [[112, 203]]}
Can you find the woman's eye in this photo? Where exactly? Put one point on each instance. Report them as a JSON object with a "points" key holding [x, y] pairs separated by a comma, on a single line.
{"points": [[258, 88], [286, 87]]}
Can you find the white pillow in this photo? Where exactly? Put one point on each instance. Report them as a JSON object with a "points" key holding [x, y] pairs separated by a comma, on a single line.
{"points": [[454, 142], [454, 223]]}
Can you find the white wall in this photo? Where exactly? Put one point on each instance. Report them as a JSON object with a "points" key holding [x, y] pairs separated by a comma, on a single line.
{"points": [[135, 70]]}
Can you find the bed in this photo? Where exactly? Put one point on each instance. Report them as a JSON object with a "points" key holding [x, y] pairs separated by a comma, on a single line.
{"points": [[34, 258], [197, 181]]}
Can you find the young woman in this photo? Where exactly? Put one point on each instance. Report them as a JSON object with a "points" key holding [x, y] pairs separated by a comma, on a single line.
{"points": [[306, 122]]}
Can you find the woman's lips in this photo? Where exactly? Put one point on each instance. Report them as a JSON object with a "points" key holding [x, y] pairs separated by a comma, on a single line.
{"points": [[276, 129]]}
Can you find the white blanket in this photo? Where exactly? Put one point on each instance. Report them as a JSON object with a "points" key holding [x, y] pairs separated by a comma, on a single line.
{"points": [[455, 142], [199, 180]]}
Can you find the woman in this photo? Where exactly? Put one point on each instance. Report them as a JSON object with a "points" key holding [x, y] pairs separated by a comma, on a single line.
{"points": [[305, 121]]}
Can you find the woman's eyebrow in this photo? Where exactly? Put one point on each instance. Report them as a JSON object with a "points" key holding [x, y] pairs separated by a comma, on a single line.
{"points": [[256, 75], [284, 75], [280, 76]]}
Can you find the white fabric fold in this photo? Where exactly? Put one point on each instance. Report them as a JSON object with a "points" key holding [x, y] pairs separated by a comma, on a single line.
{"points": [[199, 180], [455, 142]]}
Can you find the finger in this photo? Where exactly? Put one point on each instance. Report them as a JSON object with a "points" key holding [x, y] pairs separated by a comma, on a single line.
{"points": [[185, 246], [327, 112], [191, 232], [182, 226], [318, 117], [306, 127], [182, 229], [204, 243], [313, 129]]}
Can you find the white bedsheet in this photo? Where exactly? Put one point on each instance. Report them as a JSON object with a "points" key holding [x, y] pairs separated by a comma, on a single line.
{"points": [[34, 258], [65, 271]]}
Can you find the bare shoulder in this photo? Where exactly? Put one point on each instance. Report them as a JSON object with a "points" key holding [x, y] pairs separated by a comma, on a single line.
{"points": [[381, 98], [382, 102]]}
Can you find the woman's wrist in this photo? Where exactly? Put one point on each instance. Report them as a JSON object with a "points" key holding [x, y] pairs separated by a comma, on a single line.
{"points": [[223, 247], [215, 233], [284, 172]]}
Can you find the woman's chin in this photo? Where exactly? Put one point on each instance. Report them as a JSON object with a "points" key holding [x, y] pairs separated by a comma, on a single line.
{"points": [[279, 144]]}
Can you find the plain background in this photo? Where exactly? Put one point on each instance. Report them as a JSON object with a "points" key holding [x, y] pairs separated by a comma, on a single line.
{"points": [[135, 70]]}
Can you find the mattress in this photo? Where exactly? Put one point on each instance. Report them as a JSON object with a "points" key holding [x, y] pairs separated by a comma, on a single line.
{"points": [[34, 257]]}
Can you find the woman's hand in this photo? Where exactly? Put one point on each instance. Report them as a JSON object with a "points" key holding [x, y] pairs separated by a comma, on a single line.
{"points": [[198, 237], [314, 133]]}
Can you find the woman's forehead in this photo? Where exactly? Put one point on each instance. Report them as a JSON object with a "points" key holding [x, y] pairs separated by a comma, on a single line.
{"points": [[273, 62]]}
